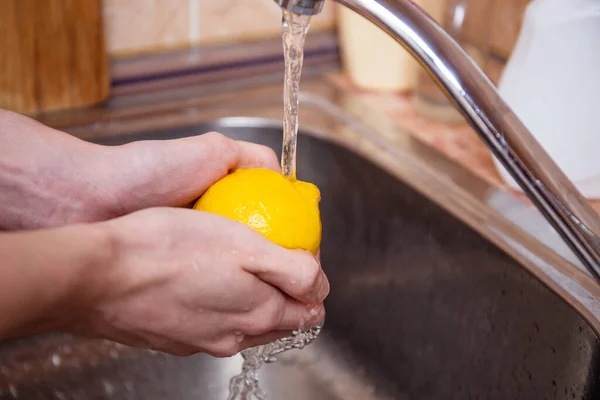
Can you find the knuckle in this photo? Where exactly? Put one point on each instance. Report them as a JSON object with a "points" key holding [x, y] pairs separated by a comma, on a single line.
{"points": [[264, 319], [220, 142], [259, 324], [268, 153], [217, 138], [222, 145]]}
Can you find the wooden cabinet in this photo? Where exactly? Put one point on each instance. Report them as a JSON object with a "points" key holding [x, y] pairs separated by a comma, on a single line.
{"points": [[53, 55]]}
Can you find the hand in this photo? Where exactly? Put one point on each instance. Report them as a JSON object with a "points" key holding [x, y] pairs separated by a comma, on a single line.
{"points": [[49, 178], [184, 281], [176, 172]]}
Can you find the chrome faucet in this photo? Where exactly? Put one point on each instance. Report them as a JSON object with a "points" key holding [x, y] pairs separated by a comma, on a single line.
{"points": [[476, 97], [302, 7]]}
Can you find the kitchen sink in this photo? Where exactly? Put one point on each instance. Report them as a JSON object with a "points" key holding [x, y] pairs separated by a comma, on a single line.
{"points": [[421, 307], [434, 295]]}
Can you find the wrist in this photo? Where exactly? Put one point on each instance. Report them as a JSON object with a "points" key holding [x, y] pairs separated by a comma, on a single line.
{"points": [[93, 276], [85, 189], [51, 277], [49, 178]]}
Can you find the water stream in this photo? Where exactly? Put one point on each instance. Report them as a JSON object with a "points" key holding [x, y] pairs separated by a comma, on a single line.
{"points": [[245, 386], [295, 27]]}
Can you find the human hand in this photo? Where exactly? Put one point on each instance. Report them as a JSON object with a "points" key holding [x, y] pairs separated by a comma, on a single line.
{"points": [[50, 179], [185, 281], [175, 172]]}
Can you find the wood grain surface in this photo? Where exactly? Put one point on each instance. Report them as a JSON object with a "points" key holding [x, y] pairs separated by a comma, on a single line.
{"points": [[53, 55]]}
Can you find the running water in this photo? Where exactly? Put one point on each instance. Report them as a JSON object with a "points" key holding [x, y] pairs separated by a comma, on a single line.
{"points": [[295, 27]]}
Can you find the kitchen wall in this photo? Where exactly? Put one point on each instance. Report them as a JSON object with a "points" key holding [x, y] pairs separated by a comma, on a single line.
{"points": [[142, 26]]}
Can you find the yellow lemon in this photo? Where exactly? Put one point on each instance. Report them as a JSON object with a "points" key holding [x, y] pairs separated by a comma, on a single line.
{"points": [[285, 211]]}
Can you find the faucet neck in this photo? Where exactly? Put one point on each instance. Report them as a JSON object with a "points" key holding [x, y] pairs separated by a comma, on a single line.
{"points": [[497, 125], [302, 7]]}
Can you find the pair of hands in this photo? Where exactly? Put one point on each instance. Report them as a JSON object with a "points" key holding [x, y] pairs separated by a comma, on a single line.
{"points": [[174, 279]]}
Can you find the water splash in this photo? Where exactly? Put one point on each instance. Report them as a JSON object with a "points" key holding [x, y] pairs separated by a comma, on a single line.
{"points": [[245, 386]]}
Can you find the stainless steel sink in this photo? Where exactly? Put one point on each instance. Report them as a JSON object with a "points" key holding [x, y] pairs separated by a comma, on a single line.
{"points": [[422, 305]]}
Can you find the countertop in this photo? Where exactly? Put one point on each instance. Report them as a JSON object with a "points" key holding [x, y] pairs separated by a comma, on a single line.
{"points": [[458, 141]]}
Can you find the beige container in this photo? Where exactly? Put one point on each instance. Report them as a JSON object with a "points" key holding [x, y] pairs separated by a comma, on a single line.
{"points": [[372, 59]]}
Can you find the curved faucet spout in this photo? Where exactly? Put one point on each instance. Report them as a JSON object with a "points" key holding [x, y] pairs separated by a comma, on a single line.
{"points": [[500, 129]]}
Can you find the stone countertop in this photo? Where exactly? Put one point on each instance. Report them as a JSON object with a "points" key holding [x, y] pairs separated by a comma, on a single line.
{"points": [[457, 141]]}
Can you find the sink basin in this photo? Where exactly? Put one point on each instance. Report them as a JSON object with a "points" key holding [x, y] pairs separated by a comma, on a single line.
{"points": [[421, 307]]}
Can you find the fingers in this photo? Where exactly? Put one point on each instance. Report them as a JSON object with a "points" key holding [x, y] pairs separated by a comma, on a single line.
{"points": [[252, 155], [253, 341], [175, 172], [279, 313], [274, 321], [234, 154], [296, 272]]}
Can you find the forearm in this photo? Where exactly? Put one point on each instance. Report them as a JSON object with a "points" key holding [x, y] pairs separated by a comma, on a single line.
{"points": [[48, 276], [49, 178]]}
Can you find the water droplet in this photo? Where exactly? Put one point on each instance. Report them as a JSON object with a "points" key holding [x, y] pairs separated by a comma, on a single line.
{"points": [[108, 388], [293, 281], [59, 395], [13, 391], [56, 361]]}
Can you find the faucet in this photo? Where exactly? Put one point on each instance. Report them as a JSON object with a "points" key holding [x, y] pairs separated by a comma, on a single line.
{"points": [[499, 128]]}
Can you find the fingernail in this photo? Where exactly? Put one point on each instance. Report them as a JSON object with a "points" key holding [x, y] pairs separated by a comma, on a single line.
{"points": [[323, 288], [317, 314], [239, 336]]}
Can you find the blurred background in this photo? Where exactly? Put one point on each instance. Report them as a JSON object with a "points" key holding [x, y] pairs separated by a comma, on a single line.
{"points": [[57, 54]]}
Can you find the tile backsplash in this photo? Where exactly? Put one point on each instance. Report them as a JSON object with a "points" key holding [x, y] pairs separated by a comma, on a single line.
{"points": [[142, 26]]}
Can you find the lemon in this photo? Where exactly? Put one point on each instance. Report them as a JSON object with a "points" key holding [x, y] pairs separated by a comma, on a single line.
{"points": [[285, 211]]}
